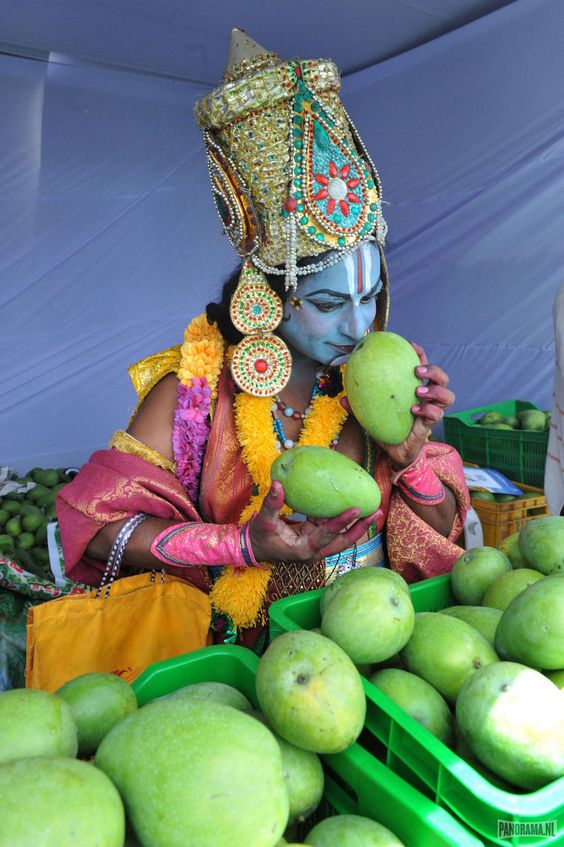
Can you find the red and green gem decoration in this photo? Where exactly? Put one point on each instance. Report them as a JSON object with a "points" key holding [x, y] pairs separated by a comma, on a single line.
{"points": [[261, 365], [333, 193], [255, 307]]}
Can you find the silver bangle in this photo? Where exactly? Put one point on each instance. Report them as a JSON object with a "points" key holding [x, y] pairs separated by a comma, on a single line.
{"points": [[113, 563]]}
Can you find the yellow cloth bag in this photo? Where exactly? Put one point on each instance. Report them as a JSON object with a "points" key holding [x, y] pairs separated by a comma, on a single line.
{"points": [[120, 629]]}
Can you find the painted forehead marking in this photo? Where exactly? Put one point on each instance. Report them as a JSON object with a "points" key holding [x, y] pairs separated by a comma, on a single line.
{"points": [[358, 267]]}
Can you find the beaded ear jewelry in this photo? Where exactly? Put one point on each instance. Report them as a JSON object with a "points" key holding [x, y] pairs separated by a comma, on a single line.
{"points": [[261, 364]]}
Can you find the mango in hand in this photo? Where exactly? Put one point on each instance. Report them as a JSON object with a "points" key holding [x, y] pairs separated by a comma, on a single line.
{"points": [[322, 483], [380, 383]]}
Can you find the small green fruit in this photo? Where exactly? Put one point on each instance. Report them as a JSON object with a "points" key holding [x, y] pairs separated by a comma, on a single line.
{"points": [[59, 803], [474, 571], [98, 701], [35, 723], [197, 773], [322, 483], [351, 831], [214, 692], [509, 585], [310, 692], [531, 629], [418, 699], [482, 618], [370, 619], [532, 419], [541, 541], [512, 718], [380, 382], [482, 495], [444, 651], [355, 575], [510, 546], [490, 418]]}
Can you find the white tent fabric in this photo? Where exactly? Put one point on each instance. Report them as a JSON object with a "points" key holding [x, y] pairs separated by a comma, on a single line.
{"points": [[109, 242]]}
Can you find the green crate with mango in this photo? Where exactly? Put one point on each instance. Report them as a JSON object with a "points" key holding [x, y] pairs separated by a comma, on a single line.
{"points": [[511, 437]]}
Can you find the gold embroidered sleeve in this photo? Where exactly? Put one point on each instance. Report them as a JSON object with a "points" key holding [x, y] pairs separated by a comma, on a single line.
{"points": [[127, 444]]}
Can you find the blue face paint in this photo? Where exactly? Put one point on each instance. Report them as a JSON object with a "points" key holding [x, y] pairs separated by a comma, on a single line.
{"points": [[338, 307]]}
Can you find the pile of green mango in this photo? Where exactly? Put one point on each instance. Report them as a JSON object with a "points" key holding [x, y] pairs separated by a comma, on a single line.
{"points": [[508, 498], [24, 515], [533, 420]]}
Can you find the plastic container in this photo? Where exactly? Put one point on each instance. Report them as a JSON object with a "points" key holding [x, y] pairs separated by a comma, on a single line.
{"points": [[520, 454], [502, 519], [356, 782], [425, 762]]}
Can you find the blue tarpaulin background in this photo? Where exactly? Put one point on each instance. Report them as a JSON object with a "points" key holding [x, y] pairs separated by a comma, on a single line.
{"points": [[109, 241]]}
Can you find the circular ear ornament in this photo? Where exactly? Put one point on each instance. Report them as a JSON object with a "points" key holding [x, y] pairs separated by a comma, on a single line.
{"points": [[261, 365], [255, 307]]}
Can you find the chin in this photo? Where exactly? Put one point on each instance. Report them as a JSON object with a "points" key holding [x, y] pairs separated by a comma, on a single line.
{"points": [[339, 360]]}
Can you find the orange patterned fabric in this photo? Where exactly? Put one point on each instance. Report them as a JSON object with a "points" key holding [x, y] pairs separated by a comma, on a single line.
{"points": [[415, 550]]}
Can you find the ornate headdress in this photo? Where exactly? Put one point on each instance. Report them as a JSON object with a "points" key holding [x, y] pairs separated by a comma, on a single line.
{"points": [[291, 179]]}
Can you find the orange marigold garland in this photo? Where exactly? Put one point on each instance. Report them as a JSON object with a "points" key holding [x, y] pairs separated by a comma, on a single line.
{"points": [[241, 593]]}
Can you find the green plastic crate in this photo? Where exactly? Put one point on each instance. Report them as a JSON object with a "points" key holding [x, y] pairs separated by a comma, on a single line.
{"points": [[519, 454], [421, 759], [356, 782]]}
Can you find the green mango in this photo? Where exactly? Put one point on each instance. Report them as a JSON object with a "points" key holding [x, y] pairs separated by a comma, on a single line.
{"points": [[322, 483], [509, 585], [46, 476], [482, 618], [532, 419], [512, 719], [531, 628], [541, 542], [510, 546], [445, 651], [490, 418], [511, 421], [380, 383]]}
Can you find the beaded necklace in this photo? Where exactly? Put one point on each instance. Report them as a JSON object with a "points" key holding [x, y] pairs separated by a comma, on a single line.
{"points": [[326, 383]]}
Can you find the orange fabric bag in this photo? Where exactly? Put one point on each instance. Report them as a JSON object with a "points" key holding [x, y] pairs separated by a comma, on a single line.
{"points": [[121, 629]]}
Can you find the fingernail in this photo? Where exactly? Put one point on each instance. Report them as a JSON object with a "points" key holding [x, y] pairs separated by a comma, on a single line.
{"points": [[415, 408], [421, 369], [422, 390]]}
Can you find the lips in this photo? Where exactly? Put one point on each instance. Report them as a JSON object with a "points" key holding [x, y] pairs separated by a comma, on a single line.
{"points": [[344, 348]]}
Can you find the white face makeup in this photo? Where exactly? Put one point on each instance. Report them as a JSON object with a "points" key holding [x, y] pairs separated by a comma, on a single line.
{"points": [[334, 308]]}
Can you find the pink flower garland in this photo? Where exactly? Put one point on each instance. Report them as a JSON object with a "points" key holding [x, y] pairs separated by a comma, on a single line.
{"points": [[190, 432]]}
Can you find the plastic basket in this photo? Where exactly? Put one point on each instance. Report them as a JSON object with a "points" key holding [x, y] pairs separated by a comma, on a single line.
{"points": [[356, 782], [421, 759], [520, 454], [502, 519]]}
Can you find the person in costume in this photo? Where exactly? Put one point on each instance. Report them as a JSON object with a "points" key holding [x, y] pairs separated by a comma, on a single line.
{"points": [[187, 486]]}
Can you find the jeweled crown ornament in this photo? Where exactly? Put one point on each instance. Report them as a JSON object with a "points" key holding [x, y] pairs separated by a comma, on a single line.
{"points": [[290, 175]]}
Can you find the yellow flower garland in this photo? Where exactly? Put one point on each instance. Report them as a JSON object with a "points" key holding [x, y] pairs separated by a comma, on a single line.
{"points": [[241, 593]]}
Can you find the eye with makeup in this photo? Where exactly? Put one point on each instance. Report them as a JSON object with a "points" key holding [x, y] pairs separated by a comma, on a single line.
{"points": [[327, 305]]}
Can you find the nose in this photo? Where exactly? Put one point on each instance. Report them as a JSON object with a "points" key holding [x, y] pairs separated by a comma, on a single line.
{"points": [[354, 324]]}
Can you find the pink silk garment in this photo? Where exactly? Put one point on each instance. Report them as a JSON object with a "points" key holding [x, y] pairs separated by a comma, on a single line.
{"points": [[113, 486]]}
